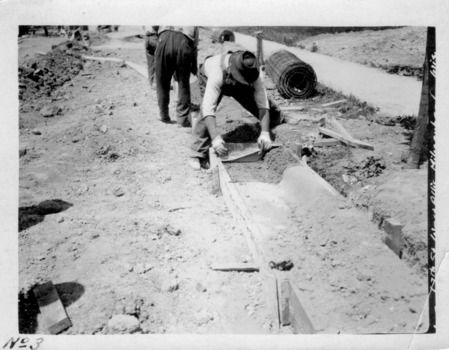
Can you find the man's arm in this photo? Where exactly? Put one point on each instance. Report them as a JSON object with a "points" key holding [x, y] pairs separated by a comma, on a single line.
{"points": [[264, 139], [195, 51], [211, 125], [264, 117], [217, 141]]}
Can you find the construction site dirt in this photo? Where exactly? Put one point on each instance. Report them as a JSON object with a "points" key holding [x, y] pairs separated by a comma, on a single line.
{"points": [[131, 245]]}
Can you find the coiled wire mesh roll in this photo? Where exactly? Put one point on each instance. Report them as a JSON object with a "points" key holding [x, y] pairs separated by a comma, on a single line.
{"points": [[292, 77], [221, 35]]}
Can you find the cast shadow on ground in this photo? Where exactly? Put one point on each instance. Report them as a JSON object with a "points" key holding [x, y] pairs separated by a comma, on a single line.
{"points": [[68, 292], [35, 214]]}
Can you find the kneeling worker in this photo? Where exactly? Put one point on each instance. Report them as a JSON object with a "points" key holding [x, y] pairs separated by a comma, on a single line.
{"points": [[235, 75]]}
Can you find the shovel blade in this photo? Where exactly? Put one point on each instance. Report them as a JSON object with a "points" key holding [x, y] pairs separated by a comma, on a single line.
{"points": [[241, 153]]}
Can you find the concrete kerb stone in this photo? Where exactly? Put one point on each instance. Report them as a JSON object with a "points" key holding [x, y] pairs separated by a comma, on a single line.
{"points": [[393, 235]]}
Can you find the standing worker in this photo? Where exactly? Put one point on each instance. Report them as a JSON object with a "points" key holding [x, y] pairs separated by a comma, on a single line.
{"points": [[176, 54], [150, 48], [236, 75]]}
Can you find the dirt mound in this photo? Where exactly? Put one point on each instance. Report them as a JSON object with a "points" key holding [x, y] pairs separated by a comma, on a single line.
{"points": [[278, 160], [40, 77], [238, 131]]}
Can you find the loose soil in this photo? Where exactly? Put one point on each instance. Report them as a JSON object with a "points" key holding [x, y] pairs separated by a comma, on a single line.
{"points": [[142, 229]]}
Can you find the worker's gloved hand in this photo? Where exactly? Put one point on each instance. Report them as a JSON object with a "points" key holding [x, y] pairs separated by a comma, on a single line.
{"points": [[264, 141], [219, 146]]}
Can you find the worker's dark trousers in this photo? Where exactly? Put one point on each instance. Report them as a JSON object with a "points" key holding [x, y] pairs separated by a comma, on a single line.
{"points": [[150, 48], [201, 140], [174, 56]]}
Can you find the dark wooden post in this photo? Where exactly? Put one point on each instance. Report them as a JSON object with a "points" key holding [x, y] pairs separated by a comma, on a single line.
{"points": [[426, 106], [259, 36]]}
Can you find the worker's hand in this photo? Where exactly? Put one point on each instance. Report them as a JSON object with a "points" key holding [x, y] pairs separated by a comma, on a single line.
{"points": [[264, 141], [219, 146]]}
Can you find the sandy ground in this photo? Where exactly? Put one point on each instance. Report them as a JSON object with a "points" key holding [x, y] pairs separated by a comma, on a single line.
{"points": [[141, 229], [130, 189]]}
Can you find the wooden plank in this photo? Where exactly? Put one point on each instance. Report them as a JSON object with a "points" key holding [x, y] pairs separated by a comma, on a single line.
{"points": [[327, 142], [103, 59], [235, 267], [143, 71], [299, 319], [349, 142], [216, 190], [334, 104], [291, 108], [340, 128], [284, 302], [53, 313]]}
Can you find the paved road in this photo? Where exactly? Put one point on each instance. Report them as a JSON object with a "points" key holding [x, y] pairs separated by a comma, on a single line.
{"points": [[392, 94]]}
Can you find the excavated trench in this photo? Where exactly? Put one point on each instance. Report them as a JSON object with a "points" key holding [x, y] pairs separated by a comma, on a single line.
{"points": [[346, 278]]}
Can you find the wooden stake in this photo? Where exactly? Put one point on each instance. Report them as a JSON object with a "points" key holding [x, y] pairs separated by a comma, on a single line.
{"points": [[259, 36]]}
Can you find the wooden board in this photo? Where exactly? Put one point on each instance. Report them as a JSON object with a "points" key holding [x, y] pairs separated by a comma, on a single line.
{"points": [[284, 302], [349, 142], [291, 108], [143, 71], [340, 128], [334, 104], [103, 59], [51, 308], [235, 267]]}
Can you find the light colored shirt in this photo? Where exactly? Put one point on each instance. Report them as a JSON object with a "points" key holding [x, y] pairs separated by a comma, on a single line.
{"points": [[214, 73]]}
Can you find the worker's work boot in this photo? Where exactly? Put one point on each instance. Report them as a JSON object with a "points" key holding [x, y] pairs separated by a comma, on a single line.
{"points": [[204, 163], [165, 119], [194, 163]]}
